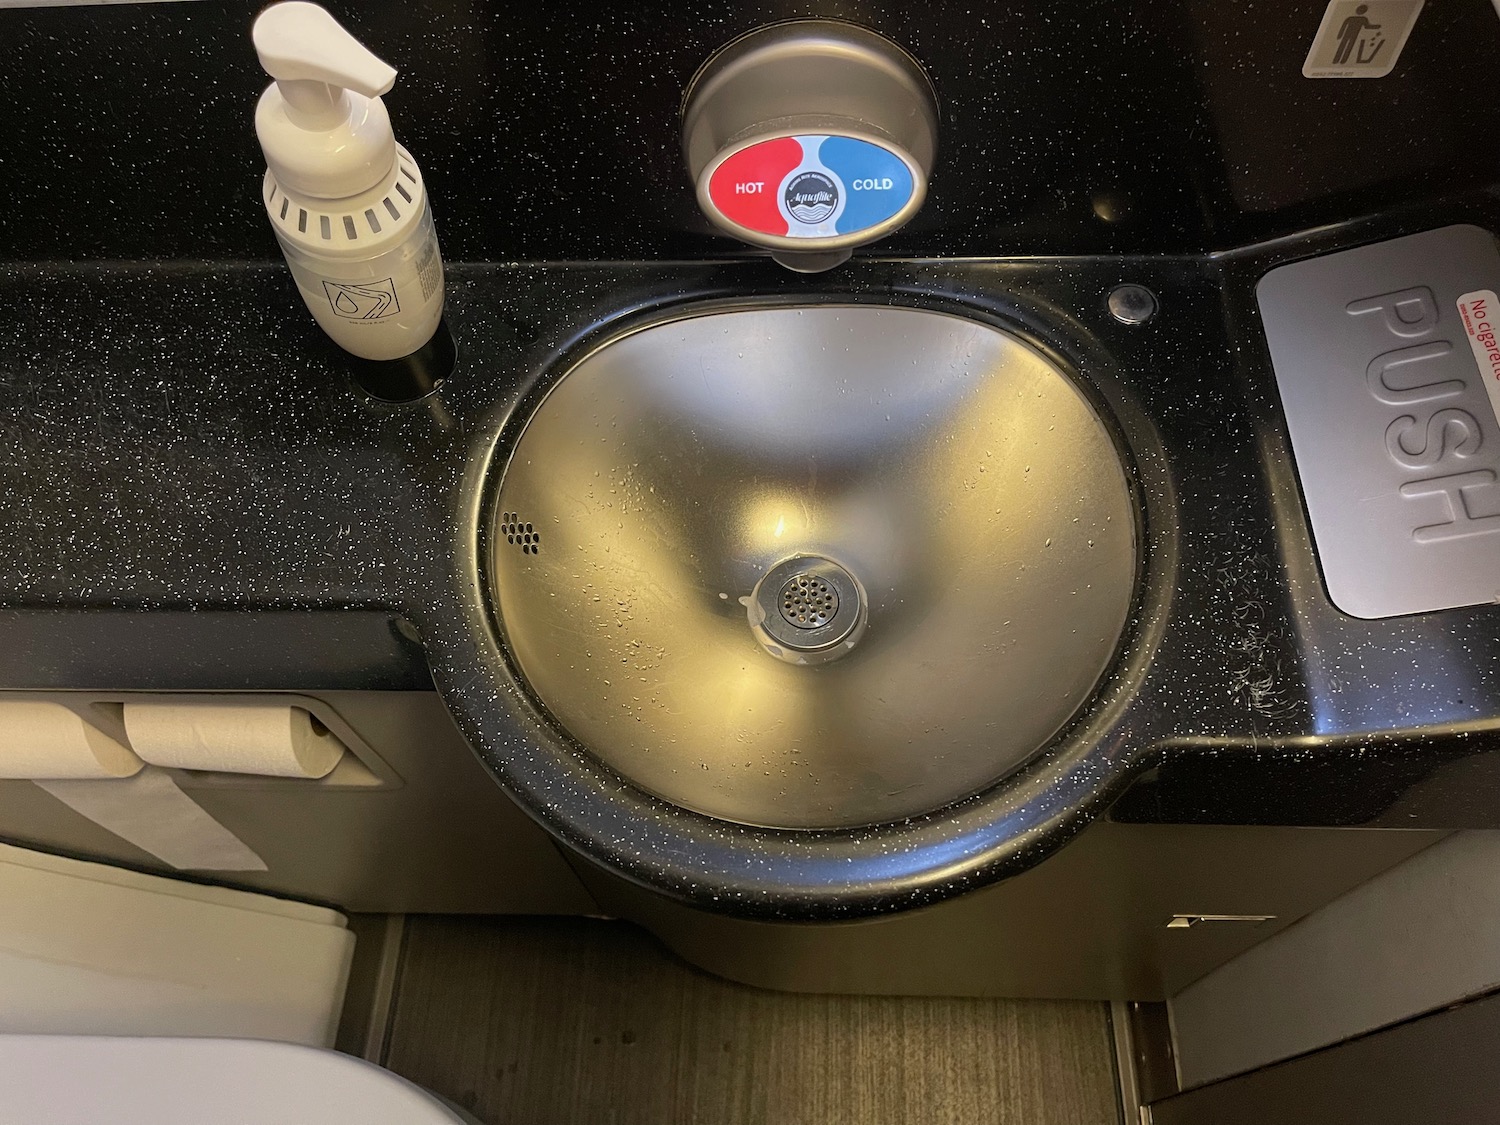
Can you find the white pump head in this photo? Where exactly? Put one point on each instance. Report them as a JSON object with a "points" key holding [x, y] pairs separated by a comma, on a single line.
{"points": [[321, 124]]}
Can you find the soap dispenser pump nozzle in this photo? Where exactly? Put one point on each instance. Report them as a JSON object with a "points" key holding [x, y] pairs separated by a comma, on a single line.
{"points": [[300, 42], [322, 125]]}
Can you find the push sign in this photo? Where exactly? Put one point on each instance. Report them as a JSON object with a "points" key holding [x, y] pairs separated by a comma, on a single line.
{"points": [[811, 187]]}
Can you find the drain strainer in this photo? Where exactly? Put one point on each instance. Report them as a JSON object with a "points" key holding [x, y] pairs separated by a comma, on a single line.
{"points": [[808, 601], [807, 609]]}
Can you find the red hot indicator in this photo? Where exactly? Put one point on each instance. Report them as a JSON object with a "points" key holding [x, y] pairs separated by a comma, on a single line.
{"points": [[744, 187]]}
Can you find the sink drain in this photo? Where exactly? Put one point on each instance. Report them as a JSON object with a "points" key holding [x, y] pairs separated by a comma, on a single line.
{"points": [[808, 602], [807, 610]]}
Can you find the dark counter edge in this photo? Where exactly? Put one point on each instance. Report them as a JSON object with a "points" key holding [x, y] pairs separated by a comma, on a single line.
{"points": [[210, 650]]}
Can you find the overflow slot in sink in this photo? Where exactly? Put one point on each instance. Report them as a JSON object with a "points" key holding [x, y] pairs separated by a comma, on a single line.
{"points": [[520, 533]]}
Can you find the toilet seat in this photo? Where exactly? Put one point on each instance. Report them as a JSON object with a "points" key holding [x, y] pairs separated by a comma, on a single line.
{"points": [[98, 1080]]}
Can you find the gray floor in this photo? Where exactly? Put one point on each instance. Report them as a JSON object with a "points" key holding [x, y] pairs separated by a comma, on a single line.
{"points": [[577, 1022]]}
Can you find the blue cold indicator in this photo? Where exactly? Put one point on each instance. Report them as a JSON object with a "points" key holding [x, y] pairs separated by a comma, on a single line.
{"points": [[878, 181]]}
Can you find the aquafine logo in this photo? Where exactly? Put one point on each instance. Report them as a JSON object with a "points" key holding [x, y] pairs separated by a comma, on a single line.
{"points": [[811, 197]]}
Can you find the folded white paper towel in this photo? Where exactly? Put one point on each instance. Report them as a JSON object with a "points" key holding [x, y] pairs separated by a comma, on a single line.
{"points": [[47, 741], [275, 741], [149, 811]]}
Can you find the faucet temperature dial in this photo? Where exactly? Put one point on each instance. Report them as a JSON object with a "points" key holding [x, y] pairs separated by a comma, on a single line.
{"points": [[810, 138]]}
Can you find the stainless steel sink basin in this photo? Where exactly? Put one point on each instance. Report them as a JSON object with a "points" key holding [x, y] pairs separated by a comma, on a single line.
{"points": [[814, 567]]}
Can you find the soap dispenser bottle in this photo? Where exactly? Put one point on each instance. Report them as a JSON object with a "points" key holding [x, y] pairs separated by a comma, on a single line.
{"points": [[347, 202]]}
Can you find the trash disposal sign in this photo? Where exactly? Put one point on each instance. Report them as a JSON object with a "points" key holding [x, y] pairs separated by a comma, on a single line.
{"points": [[1361, 38]]}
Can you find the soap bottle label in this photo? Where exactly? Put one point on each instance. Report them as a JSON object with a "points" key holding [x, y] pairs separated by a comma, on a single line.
{"points": [[381, 307]]}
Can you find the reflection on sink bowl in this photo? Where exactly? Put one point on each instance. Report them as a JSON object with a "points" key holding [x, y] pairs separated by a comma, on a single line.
{"points": [[814, 567]]}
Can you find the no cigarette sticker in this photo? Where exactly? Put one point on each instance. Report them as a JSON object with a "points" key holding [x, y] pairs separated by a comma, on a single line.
{"points": [[1480, 313]]}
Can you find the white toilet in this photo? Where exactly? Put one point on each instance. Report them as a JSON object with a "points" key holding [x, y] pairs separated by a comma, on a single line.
{"points": [[111, 1080], [132, 999]]}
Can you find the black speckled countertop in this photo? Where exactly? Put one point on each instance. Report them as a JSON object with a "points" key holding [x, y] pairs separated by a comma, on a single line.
{"points": [[197, 496], [199, 458]]}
